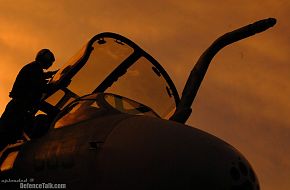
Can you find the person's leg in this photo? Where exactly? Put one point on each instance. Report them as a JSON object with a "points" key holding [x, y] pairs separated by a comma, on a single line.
{"points": [[12, 122]]}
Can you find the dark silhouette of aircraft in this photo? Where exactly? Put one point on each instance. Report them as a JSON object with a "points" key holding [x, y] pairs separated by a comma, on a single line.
{"points": [[119, 124]]}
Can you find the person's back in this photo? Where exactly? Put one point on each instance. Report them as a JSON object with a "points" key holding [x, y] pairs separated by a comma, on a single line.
{"points": [[29, 83]]}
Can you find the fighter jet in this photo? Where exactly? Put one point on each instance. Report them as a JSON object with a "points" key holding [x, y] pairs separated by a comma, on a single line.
{"points": [[119, 123]]}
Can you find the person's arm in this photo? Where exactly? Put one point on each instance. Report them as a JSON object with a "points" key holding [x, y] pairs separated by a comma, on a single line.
{"points": [[49, 74]]}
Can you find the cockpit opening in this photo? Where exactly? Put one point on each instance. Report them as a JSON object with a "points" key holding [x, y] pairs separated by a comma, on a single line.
{"points": [[96, 105]]}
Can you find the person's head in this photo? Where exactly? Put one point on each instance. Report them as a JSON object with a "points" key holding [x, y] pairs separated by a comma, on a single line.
{"points": [[45, 57]]}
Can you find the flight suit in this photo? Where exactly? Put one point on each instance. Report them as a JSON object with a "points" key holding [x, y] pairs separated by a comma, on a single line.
{"points": [[26, 94]]}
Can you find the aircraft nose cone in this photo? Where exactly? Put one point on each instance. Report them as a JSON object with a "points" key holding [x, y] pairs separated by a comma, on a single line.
{"points": [[149, 153]]}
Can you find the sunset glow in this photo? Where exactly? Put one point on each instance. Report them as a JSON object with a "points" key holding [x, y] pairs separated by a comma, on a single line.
{"points": [[244, 98]]}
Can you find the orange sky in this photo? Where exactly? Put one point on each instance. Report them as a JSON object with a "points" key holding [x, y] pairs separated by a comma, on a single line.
{"points": [[244, 98]]}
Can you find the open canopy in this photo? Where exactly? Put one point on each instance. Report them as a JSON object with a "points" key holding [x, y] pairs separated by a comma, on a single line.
{"points": [[114, 64]]}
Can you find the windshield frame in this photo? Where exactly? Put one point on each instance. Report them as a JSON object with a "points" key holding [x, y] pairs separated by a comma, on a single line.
{"points": [[138, 52], [118, 71]]}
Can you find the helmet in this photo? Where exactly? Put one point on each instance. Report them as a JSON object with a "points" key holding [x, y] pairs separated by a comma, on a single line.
{"points": [[45, 55]]}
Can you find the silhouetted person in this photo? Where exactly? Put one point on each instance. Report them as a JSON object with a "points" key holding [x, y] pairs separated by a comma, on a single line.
{"points": [[26, 94]]}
